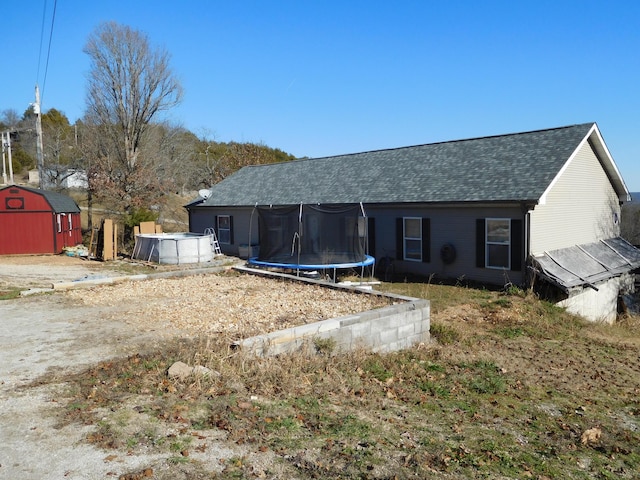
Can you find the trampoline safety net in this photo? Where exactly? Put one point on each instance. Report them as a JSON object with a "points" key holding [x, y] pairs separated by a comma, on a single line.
{"points": [[312, 234]]}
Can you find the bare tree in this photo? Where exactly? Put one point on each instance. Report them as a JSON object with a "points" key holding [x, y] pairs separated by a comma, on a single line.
{"points": [[10, 119], [129, 86]]}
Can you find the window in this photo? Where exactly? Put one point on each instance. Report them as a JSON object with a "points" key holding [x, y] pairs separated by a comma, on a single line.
{"points": [[224, 229], [412, 238], [498, 243]]}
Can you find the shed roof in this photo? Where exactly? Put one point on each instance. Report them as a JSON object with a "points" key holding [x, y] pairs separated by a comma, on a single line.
{"points": [[516, 167], [587, 265], [59, 203]]}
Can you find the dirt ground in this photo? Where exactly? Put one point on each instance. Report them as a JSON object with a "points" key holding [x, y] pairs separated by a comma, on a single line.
{"points": [[47, 334]]}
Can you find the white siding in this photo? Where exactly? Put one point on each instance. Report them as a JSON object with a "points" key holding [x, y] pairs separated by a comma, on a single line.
{"points": [[600, 305], [580, 207]]}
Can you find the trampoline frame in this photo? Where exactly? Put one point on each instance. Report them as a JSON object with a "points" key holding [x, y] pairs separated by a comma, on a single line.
{"points": [[369, 260]]}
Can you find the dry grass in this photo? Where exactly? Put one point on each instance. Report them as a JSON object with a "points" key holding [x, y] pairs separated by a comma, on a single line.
{"points": [[508, 391]]}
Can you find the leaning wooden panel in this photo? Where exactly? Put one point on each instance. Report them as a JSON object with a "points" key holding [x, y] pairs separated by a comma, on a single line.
{"points": [[147, 227], [107, 232]]}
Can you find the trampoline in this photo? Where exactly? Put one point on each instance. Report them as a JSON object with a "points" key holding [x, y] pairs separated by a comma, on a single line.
{"points": [[368, 261], [313, 237]]}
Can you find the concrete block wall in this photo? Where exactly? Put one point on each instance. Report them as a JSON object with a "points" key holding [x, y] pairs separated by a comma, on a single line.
{"points": [[386, 329]]}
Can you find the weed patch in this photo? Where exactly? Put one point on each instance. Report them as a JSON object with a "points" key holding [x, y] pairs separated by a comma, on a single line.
{"points": [[508, 391]]}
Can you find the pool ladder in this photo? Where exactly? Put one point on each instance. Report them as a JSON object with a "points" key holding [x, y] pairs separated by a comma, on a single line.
{"points": [[214, 240]]}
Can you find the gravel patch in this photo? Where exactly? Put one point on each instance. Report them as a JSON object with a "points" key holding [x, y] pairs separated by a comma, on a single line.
{"points": [[224, 304]]}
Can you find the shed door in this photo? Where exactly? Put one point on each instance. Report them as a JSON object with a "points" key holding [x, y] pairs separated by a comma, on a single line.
{"points": [[68, 233]]}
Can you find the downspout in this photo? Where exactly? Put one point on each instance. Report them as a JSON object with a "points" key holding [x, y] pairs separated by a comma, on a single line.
{"points": [[526, 222]]}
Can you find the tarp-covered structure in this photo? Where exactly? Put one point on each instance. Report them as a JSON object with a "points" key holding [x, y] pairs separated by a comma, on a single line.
{"points": [[587, 265], [313, 236]]}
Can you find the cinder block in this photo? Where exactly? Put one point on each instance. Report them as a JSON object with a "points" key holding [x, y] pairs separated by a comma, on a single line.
{"points": [[362, 329], [350, 320], [328, 325], [389, 336], [406, 331]]}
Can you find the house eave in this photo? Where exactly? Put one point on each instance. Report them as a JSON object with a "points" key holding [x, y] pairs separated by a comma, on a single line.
{"points": [[527, 204]]}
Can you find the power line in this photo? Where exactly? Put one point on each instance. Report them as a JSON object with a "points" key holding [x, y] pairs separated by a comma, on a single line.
{"points": [[46, 68], [44, 13]]}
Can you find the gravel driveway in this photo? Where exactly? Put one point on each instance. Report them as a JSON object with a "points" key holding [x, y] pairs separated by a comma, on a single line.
{"points": [[48, 335], [45, 335]]}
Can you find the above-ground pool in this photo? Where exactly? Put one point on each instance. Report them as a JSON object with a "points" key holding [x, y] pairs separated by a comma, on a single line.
{"points": [[174, 248]]}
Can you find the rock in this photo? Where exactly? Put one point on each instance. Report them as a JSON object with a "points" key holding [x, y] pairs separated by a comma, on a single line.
{"points": [[180, 370], [591, 436], [199, 370]]}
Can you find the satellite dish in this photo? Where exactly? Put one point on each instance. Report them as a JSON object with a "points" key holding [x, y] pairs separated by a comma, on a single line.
{"points": [[204, 193]]}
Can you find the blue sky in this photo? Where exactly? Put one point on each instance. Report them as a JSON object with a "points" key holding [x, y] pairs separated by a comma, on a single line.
{"points": [[318, 78]]}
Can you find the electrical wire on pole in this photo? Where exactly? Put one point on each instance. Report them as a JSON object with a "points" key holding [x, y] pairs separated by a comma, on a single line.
{"points": [[37, 110], [39, 149]]}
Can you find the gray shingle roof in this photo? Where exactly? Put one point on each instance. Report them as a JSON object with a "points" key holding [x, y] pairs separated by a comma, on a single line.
{"points": [[59, 203], [513, 167]]}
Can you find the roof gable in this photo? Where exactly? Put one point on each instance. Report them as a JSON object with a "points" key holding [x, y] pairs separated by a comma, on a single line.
{"points": [[506, 168], [59, 203], [597, 145]]}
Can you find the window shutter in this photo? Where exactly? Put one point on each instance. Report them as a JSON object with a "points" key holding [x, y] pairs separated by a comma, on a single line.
{"points": [[371, 236], [231, 229], [480, 250], [426, 240], [399, 239], [215, 225], [516, 245]]}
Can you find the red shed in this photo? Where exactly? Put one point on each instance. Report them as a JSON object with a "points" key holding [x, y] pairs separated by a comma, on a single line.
{"points": [[37, 221]]}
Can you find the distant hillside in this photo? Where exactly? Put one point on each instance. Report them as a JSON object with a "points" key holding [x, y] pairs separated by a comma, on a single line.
{"points": [[635, 197]]}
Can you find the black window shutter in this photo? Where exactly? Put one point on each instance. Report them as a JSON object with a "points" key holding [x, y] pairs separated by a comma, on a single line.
{"points": [[516, 245], [426, 240], [399, 239], [480, 250], [231, 229], [215, 225], [371, 236]]}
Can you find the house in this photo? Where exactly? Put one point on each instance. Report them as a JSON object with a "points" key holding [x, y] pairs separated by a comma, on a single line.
{"points": [[497, 210], [61, 177], [36, 221]]}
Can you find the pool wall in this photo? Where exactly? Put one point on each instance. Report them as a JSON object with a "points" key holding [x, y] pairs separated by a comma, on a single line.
{"points": [[173, 248]]}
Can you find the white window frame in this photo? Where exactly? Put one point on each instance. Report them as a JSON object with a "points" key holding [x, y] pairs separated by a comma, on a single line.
{"points": [[488, 243], [406, 239], [224, 233]]}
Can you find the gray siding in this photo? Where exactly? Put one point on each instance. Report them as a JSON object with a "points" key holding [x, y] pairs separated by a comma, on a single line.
{"points": [[245, 225], [454, 225], [579, 208]]}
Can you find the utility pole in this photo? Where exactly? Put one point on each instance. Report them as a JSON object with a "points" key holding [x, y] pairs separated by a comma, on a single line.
{"points": [[4, 164], [39, 153], [6, 147], [10, 159]]}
